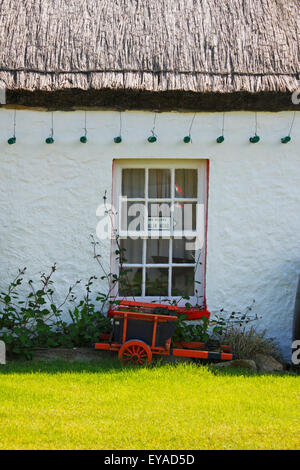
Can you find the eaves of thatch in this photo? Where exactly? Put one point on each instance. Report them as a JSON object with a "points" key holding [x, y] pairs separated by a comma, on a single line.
{"points": [[164, 54]]}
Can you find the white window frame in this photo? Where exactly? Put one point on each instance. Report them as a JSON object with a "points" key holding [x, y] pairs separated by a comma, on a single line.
{"points": [[202, 166]]}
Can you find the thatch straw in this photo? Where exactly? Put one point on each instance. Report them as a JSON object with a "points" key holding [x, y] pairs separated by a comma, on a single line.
{"points": [[155, 45]]}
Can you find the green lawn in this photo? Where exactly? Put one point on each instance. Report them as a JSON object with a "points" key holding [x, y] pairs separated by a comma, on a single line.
{"points": [[78, 406]]}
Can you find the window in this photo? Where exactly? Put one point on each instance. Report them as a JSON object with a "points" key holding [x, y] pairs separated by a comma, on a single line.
{"points": [[161, 218]]}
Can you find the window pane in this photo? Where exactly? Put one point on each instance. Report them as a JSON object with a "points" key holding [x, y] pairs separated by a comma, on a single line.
{"points": [[133, 182], [157, 281], [186, 183], [158, 251], [133, 216], [130, 283], [131, 251], [183, 281], [185, 216], [182, 252], [159, 183]]}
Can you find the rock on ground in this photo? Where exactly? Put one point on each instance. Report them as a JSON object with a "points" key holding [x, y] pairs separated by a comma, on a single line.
{"points": [[268, 363], [237, 364]]}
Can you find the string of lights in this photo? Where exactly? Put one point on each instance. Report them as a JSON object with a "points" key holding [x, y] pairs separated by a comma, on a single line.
{"points": [[188, 138], [288, 138], [153, 136], [12, 140], [83, 138], [255, 139], [50, 139], [221, 138], [118, 139]]}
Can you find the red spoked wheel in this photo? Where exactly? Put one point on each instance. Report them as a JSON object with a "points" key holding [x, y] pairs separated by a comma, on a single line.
{"points": [[135, 352]]}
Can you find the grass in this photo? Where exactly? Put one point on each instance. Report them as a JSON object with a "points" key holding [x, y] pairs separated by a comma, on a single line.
{"points": [[61, 405]]}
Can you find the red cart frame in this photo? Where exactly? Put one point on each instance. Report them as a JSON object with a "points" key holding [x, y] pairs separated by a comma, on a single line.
{"points": [[138, 352]]}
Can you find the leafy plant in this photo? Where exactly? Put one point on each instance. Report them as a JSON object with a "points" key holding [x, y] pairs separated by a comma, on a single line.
{"points": [[187, 331], [86, 322], [34, 319], [213, 330], [222, 321]]}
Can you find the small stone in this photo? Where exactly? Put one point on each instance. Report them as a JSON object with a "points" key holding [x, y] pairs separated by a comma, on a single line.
{"points": [[267, 363], [237, 364]]}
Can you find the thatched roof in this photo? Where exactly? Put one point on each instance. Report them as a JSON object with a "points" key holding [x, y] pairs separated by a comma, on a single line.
{"points": [[203, 46]]}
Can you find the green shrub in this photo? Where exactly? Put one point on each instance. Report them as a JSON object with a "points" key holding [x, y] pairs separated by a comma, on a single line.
{"points": [[85, 323], [33, 319], [187, 331]]}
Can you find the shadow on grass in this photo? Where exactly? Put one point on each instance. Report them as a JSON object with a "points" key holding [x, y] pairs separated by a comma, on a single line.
{"points": [[244, 373], [250, 373], [60, 366]]}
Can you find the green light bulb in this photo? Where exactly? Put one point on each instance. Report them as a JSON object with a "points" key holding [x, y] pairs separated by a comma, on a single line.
{"points": [[286, 139], [152, 139], [49, 140], [12, 140], [118, 140], [187, 139], [83, 139], [254, 139], [220, 139]]}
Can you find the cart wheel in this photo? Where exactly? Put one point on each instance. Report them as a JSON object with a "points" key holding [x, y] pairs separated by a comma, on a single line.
{"points": [[135, 352]]}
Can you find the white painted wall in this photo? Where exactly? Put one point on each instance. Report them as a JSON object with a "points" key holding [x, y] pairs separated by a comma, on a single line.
{"points": [[49, 195]]}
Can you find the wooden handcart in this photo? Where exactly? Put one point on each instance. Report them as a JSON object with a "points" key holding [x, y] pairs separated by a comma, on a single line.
{"points": [[141, 330]]}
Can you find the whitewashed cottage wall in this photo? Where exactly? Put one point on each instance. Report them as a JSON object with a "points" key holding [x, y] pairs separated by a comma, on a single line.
{"points": [[49, 195]]}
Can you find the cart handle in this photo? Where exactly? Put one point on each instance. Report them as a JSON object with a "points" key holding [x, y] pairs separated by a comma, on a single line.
{"points": [[143, 316]]}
